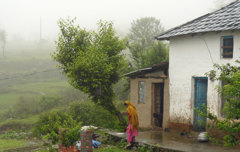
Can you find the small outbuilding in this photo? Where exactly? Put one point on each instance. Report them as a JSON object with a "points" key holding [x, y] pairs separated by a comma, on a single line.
{"points": [[150, 95]]}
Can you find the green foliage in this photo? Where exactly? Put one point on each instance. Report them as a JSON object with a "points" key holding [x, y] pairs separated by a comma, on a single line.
{"points": [[12, 135], [110, 149], [48, 149], [71, 135], [50, 122], [91, 114], [120, 105], [145, 148], [92, 60], [231, 140], [156, 54], [215, 140], [211, 74], [122, 89], [230, 92], [145, 50], [122, 144], [6, 144], [16, 125]]}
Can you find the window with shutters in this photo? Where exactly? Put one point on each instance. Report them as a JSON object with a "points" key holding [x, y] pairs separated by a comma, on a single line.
{"points": [[227, 46]]}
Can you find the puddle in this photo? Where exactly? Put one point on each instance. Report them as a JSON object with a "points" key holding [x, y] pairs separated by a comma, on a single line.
{"points": [[174, 140]]}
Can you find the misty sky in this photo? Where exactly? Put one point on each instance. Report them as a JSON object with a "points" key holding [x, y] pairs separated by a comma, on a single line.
{"points": [[22, 17]]}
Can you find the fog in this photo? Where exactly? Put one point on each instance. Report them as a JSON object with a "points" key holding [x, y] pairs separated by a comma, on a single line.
{"points": [[21, 18], [30, 82]]}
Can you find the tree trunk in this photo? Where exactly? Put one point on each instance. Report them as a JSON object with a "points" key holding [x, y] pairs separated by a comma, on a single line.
{"points": [[116, 112], [121, 119], [109, 106]]}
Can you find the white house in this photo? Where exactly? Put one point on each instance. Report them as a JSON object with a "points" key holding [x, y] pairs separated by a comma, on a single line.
{"points": [[194, 47]]}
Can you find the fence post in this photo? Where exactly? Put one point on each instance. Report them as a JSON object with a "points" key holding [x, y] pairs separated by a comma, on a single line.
{"points": [[60, 135]]}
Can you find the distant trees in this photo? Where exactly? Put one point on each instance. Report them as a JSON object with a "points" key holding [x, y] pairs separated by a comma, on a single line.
{"points": [[92, 60], [3, 40], [145, 50]]}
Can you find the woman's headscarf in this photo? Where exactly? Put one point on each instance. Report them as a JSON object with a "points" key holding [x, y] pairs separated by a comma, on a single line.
{"points": [[131, 110]]}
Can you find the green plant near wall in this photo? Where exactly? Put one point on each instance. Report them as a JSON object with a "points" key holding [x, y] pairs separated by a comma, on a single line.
{"points": [[230, 92], [211, 74]]}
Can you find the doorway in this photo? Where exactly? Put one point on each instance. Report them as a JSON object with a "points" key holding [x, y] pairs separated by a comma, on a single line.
{"points": [[158, 104]]}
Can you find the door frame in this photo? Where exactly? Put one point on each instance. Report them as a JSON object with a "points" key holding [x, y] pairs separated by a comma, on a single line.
{"points": [[194, 97], [153, 107]]}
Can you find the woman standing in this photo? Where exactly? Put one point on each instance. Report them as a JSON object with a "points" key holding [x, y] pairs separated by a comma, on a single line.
{"points": [[132, 129]]}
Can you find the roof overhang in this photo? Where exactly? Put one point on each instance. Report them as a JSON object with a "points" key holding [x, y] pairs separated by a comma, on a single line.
{"points": [[224, 19], [141, 72]]}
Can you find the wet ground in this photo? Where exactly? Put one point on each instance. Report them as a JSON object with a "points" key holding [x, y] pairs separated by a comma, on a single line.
{"points": [[173, 140]]}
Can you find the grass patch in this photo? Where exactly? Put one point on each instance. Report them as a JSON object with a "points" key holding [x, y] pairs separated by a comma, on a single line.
{"points": [[24, 76], [12, 143], [7, 100], [33, 89], [42, 88], [30, 120], [16, 125]]}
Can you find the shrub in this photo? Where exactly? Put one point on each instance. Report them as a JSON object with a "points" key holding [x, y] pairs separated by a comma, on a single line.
{"points": [[91, 114], [49, 124], [230, 75], [71, 136]]}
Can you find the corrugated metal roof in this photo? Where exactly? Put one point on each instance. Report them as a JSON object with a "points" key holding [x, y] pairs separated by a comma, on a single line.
{"points": [[161, 66], [224, 19]]}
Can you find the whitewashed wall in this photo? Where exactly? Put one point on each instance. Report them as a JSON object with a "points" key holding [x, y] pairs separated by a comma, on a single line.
{"points": [[189, 57]]}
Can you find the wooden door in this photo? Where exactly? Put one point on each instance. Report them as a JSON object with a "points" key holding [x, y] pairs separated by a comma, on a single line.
{"points": [[158, 104]]}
